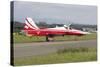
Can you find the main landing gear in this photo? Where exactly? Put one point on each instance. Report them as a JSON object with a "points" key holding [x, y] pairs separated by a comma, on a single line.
{"points": [[49, 38]]}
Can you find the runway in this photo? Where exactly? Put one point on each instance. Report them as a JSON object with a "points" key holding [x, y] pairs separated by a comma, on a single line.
{"points": [[42, 48]]}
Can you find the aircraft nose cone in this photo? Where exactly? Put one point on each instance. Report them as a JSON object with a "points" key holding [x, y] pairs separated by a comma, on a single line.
{"points": [[86, 33]]}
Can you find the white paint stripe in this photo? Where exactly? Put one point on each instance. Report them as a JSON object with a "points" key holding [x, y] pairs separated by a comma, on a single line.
{"points": [[29, 25], [32, 23], [26, 27]]}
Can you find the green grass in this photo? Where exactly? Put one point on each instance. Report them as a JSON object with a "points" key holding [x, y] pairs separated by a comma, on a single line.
{"points": [[84, 37], [66, 56], [22, 38], [61, 56]]}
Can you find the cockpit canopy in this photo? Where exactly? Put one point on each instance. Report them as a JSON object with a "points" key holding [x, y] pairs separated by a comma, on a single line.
{"points": [[67, 27]]}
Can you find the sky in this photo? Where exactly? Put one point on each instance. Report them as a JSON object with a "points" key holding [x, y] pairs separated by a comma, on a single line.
{"points": [[55, 13]]}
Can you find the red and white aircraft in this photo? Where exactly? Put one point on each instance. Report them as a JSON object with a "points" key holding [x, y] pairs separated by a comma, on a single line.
{"points": [[31, 29]]}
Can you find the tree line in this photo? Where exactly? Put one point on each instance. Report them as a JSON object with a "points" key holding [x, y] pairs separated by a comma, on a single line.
{"points": [[18, 26]]}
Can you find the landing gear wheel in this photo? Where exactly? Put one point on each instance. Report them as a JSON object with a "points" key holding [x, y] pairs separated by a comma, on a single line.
{"points": [[49, 39]]}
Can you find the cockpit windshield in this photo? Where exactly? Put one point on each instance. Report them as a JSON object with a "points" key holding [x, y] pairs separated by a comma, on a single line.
{"points": [[68, 27]]}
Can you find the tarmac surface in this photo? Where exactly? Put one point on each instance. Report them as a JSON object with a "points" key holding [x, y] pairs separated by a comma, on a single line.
{"points": [[42, 48]]}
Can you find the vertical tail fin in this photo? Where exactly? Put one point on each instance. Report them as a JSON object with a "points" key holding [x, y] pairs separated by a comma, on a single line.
{"points": [[30, 24]]}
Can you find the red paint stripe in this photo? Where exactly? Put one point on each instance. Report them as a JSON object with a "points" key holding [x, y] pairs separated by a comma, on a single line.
{"points": [[28, 27]]}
